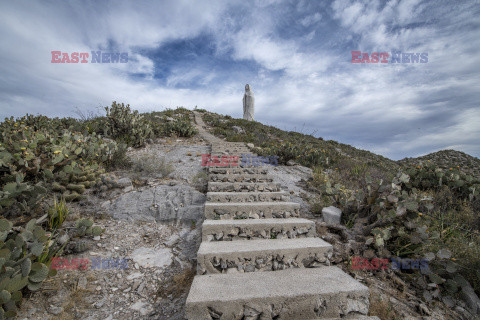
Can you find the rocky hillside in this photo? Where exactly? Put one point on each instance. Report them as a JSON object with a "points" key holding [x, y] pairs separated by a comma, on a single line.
{"points": [[447, 159], [130, 186]]}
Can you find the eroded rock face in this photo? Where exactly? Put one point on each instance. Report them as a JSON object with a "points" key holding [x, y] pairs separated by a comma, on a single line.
{"points": [[248, 104], [172, 204]]}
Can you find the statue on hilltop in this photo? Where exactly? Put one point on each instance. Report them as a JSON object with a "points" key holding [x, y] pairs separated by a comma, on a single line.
{"points": [[248, 104]]}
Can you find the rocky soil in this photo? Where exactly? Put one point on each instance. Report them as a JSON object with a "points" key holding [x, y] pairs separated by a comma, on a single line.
{"points": [[152, 216]]}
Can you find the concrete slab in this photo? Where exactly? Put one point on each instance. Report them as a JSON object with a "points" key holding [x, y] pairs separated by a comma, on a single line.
{"points": [[248, 196], [251, 210], [239, 178], [243, 186], [254, 229], [292, 294], [255, 170], [262, 255]]}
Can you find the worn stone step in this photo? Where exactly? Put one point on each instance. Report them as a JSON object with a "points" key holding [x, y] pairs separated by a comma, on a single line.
{"points": [[251, 210], [235, 164], [262, 255], [243, 186], [239, 178], [248, 196], [240, 164], [250, 160], [254, 229], [231, 149], [228, 143], [257, 170], [291, 294]]}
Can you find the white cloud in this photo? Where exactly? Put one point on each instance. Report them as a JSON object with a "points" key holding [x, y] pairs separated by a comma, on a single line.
{"points": [[311, 19], [298, 77]]}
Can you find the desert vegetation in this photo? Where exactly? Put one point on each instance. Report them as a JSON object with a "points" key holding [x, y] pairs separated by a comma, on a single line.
{"points": [[420, 208], [47, 163]]}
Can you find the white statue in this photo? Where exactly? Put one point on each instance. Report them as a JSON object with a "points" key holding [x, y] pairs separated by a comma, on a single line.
{"points": [[248, 104]]}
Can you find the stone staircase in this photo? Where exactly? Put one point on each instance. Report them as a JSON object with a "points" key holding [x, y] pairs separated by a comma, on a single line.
{"points": [[258, 260]]}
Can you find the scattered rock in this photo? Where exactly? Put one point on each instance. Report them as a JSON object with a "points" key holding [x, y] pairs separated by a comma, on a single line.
{"points": [[124, 182], [291, 163], [143, 307], [55, 310], [238, 129], [174, 238], [82, 283], [332, 215], [135, 275], [148, 257], [470, 298]]}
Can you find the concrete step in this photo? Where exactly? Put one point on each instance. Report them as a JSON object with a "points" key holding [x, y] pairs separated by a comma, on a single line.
{"points": [[251, 210], [231, 149], [239, 178], [243, 160], [262, 255], [258, 170], [235, 164], [254, 229], [240, 164], [229, 144], [247, 196], [292, 294], [243, 187]]}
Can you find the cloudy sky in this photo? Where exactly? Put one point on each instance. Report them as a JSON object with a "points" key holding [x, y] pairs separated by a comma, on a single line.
{"points": [[296, 55]]}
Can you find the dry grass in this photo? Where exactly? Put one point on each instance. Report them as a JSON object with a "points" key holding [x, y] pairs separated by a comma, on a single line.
{"points": [[151, 164], [177, 284], [382, 308], [200, 181]]}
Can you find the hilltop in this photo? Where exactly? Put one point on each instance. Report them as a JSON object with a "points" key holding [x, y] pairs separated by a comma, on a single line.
{"points": [[131, 185], [447, 159]]}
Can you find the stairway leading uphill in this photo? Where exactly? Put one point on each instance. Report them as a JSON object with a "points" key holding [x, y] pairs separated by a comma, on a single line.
{"points": [[258, 260]]}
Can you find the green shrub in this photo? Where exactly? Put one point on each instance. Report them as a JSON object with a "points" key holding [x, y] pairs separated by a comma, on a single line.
{"points": [[180, 128], [126, 126]]}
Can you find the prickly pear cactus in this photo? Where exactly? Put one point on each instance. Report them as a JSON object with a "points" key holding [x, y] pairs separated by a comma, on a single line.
{"points": [[84, 227], [127, 125], [18, 269], [38, 154]]}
